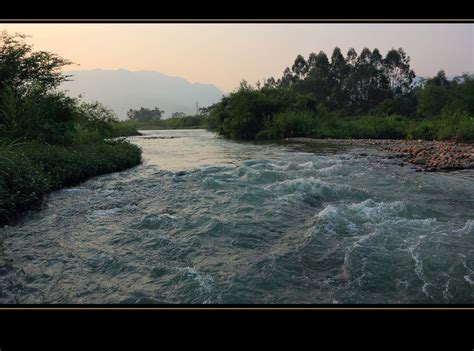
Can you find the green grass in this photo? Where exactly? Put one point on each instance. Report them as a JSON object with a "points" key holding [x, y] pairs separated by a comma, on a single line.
{"points": [[30, 170], [450, 126]]}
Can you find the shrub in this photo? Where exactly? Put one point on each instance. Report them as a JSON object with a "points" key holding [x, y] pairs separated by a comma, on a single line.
{"points": [[37, 115], [30, 170], [455, 125], [423, 130]]}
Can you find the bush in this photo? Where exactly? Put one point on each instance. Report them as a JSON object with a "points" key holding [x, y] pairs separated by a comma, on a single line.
{"points": [[22, 184], [124, 129], [293, 124], [454, 125], [375, 127], [30, 170], [44, 117], [422, 130]]}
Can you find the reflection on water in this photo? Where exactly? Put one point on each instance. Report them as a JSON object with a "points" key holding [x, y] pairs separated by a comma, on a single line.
{"points": [[208, 220], [177, 150]]}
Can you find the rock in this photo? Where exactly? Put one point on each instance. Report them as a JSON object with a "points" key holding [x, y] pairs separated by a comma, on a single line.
{"points": [[419, 161], [430, 155]]}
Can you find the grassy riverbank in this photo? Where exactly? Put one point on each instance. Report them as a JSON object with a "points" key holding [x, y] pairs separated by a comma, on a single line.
{"points": [[456, 126], [49, 140], [124, 129], [30, 170]]}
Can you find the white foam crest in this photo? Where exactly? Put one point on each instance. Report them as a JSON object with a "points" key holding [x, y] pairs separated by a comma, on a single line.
{"points": [[355, 245], [212, 182], [245, 172], [419, 265], [328, 220], [469, 280], [348, 218], [106, 212], [447, 296], [306, 165], [330, 169], [284, 167], [205, 281], [168, 215], [372, 210], [468, 227], [330, 211], [467, 277], [306, 185]]}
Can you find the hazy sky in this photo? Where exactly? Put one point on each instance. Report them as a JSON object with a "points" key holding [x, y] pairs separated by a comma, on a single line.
{"points": [[224, 54]]}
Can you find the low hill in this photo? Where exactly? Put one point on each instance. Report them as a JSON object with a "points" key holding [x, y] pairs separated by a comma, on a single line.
{"points": [[122, 89]]}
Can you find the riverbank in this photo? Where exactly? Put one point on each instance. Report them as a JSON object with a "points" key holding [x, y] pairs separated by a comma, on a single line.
{"points": [[179, 122], [427, 155], [124, 129], [30, 170]]}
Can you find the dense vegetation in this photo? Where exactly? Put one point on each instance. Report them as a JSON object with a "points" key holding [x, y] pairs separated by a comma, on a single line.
{"points": [[357, 96], [177, 122], [47, 139], [151, 119], [145, 114]]}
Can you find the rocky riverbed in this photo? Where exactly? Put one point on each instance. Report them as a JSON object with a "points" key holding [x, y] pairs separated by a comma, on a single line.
{"points": [[427, 155]]}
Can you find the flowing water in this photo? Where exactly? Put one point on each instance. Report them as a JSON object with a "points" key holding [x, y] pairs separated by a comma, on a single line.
{"points": [[207, 220]]}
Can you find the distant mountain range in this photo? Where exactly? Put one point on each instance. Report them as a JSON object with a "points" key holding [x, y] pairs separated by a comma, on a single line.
{"points": [[122, 90]]}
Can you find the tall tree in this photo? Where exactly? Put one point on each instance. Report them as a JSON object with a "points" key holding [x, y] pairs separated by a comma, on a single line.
{"points": [[299, 67], [270, 83], [288, 78], [351, 57], [397, 69], [338, 72], [177, 114], [21, 68], [317, 83], [439, 80], [145, 114]]}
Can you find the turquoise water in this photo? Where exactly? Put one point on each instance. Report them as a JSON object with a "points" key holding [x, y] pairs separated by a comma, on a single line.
{"points": [[207, 220]]}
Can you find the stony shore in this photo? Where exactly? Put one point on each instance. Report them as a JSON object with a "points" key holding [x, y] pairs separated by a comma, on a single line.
{"points": [[427, 155]]}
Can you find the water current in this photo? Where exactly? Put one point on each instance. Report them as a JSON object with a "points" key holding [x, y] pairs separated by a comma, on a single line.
{"points": [[206, 220]]}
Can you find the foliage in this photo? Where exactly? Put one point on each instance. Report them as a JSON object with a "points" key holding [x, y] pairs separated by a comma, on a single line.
{"points": [[357, 96], [179, 122], [47, 139], [21, 68], [145, 114], [124, 128], [330, 125], [36, 115], [29, 170], [178, 114]]}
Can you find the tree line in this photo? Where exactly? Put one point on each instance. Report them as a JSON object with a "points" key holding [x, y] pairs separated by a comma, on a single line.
{"points": [[152, 119], [322, 97]]}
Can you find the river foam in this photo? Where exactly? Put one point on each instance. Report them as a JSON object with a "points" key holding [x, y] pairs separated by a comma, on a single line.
{"points": [[207, 220]]}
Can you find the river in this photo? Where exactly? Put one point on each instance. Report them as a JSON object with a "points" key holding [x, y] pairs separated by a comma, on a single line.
{"points": [[206, 220]]}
